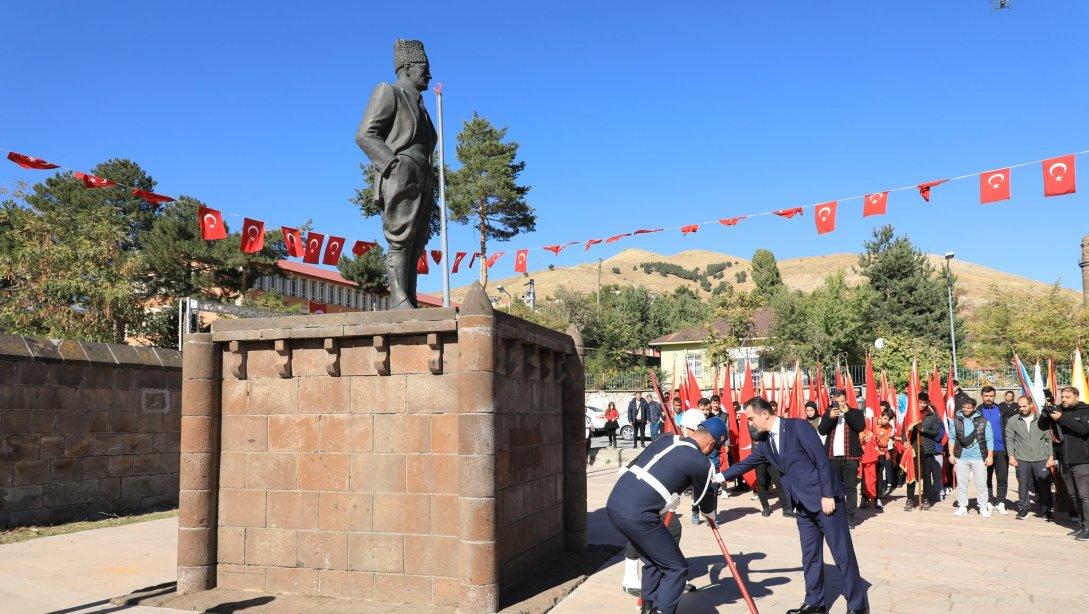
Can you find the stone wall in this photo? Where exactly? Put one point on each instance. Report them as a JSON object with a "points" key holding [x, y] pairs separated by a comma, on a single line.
{"points": [[86, 429], [365, 455]]}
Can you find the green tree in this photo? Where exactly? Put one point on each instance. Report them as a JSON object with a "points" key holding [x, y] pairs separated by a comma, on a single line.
{"points": [[730, 324], [1035, 325], [484, 192], [900, 349], [909, 295], [368, 207], [831, 322], [765, 274], [368, 270]]}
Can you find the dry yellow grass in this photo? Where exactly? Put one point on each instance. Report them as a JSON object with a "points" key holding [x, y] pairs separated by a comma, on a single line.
{"points": [[974, 281]]}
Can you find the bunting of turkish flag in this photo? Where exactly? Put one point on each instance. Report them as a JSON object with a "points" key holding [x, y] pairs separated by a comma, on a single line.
{"points": [[211, 224], [556, 249], [645, 231], [253, 236], [313, 247], [421, 265], [825, 217], [318, 308], [1059, 176], [473, 259], [615, 238], [91, 181], [436, 255], [151, 197], [591, 243], [875, 204], [731, 221], [457, 261], [493, 259], [361, 248], [332, 250], [924, 188], [30, 162], [789, 213], [520, 258], [689, 228], [994, 186], [292, 241]]}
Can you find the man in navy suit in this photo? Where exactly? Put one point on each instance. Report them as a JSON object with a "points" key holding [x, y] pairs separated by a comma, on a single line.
{"points": [[806, 475]]}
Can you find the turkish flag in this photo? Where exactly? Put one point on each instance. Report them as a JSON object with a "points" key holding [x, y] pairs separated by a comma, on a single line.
{"points": [[253, 236], [313, 247], [875, 204], [292, 241], [493, 259], [615, 238], [457, 261], [361, 248], [924, 188], [789, 213], [556, 249], [591, 243], [824, 215], [520, 258], [211, 224], [473, 258], [994, 186], [731, 221], [152, 197], [91, 181], [318, 308], [1059, 176], [421, 265], [30, 162], [644, 231], [332, 250], [689, 228]]}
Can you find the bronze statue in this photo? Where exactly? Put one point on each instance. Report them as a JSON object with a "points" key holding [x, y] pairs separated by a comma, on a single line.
{"points": [[398, 137]]}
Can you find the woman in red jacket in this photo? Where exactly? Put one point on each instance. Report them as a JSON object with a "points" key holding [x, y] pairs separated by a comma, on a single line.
{"points": [[611, 423]]}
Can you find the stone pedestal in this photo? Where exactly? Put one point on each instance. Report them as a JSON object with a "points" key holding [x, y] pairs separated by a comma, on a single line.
{"points": [[431, 456]]}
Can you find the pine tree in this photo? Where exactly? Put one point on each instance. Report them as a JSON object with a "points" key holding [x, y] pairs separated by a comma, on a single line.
{"points": [[765, 274], [484, 192], [369, 271]]}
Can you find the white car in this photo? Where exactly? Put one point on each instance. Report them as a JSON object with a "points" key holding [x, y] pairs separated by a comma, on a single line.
{"points": [[596, 418]]}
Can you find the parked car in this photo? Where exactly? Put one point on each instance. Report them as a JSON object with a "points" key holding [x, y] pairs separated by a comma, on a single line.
{"points": [[596, 417]]}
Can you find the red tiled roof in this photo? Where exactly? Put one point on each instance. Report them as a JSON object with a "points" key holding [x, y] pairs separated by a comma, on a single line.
{"points": [[694, 334], [336, 278]]}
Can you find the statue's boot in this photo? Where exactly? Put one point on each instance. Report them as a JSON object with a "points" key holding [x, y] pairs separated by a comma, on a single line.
{"points": [[398, 283], [411, 277]]}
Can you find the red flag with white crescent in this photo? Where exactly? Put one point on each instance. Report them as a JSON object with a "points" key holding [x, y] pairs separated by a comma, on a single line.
{"points": [[924, 188], [292, 241], [151, 197], [361, 248], [789, 213], [332, 250], [994, 186], [493, 259], [211, 224], [556, 249], [731, 221], [875, 204], [422, 267], [93, 181], [317, 308], [312, 251], [1059, 175], [473, 258], [436, 255], [824, 215], [520, 258], [457, 261], [646, 231], [253, 236], [689, 228], [615, 238], [592, 242], [30, 162]]}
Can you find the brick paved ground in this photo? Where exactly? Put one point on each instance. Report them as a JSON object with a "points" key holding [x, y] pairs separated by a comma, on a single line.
{"points": [[916, 562]]}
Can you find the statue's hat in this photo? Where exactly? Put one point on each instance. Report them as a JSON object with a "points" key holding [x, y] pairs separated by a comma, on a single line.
{"points": [[407, 51]]}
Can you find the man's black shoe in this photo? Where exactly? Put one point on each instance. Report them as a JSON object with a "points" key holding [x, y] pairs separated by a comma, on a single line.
{"points": [[1075, 531], [787, 514], [1048, 516], [865, 610], [1021, 515], [809, 609], [648, 608], [766, 511], [1082, 536], [851, 525], [910, 505]]}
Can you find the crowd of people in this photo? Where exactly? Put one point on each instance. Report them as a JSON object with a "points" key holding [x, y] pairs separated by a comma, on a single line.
{"points": [[972, 449]]}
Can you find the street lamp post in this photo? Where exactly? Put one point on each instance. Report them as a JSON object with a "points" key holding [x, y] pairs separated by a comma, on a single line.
{"points": [[510, 299], [949, 289]]}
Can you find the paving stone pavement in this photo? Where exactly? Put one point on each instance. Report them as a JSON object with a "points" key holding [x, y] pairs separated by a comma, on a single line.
{"points": [[916, 562]]}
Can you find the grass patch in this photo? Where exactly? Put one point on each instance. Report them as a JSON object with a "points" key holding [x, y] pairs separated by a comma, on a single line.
{"points": [[22, 534]]}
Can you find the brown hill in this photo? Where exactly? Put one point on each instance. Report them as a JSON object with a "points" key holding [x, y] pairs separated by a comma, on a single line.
{"points": [[974, 281]]}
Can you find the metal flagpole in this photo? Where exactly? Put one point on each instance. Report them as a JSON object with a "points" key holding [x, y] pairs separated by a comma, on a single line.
{"points": [[442, 204]]}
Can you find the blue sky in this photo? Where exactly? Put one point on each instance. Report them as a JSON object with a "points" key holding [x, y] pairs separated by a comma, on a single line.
{"points": [[629, 114]]}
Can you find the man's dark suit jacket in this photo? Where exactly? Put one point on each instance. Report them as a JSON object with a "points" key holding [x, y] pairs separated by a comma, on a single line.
{"points": [[805, 472]]}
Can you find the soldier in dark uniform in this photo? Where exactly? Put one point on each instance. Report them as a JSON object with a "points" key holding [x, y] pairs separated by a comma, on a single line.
{"points": [[397, 135], [650, 485]]}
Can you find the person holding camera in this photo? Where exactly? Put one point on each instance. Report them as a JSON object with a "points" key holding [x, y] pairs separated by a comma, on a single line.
{"points": [[841, 426], [1070, 424]]}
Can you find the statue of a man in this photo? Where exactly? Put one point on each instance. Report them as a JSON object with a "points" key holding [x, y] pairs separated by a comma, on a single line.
{"points": [[398, 137]]}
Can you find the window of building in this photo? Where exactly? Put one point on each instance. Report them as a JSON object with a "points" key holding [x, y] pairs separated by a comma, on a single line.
{"points": [[340, 295], [312, 290], [695, 363]]}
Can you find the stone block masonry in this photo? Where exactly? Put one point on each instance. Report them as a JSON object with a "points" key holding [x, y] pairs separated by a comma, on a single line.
{"points": [[427, 457], [86, 429]]}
